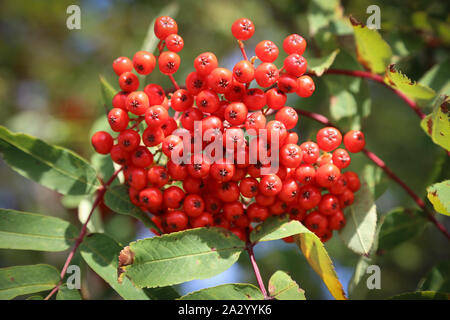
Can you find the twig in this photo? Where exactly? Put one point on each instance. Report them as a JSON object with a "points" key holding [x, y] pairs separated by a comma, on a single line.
{"points": [[241, 46], [380, 163], [251, 254], [97, 201]]}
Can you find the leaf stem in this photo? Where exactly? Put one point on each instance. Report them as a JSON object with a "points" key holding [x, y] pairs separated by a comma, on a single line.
{"points": [[98, 199], [251, 254], [380, 163]]}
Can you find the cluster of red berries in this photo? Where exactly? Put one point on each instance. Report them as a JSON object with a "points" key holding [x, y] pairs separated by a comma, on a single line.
{"points": [[308, 184]]}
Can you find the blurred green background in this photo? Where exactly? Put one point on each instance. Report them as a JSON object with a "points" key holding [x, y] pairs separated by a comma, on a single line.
{"points": [[49, 88]]}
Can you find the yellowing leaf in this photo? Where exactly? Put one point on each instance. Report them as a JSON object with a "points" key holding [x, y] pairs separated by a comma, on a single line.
{"points": [[439, 196], [318, 258], [437, 124]]}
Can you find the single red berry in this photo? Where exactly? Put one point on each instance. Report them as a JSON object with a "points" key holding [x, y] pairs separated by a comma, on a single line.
{"points": [[240, 233], [329, 204], [205, 63], [222, 170], [278, 208], [236, 93], [243, 29], [128, 140], [233, 139], [265, 201], [136, 178], [276, 129], [177, 171], [276, 98], [242, 222], [155, 94], [118, 119], [137, 102], [119, 156], [288, 116], [150, 197], [311, 152], [121, 65], [339, 186], [165, 26], [199, 166], [294, 43], [173, 197], [353, 182], [270, 185], [289, 191], [254, 123], [193, 185], [195, 83], [292, 137], [193, 205], [233, 210], [287, 83], [305, 174], [336, 221], [354, 141], [254, 99], [174, 42], [295, 64], [156, 116], [266, 51], [296, 212], [128, 81], [144, 62], [102, 142], [328, 138], [309, 196], [207, 101], [203, 220], [257, 213], [341, 158], [305, 86], [327, 174], [244, 71], [236, 113], [346, 198], [212, 128], [181, 100], [171, 144], [266, 74], [189, 117], [169, 127], [228, 191], [220, 80], [157, 176], [291, 155], [212, 204], [317, 223], [141, 157], [175, 221], [120, 99], [169, 62], [153, 136], [249, 187]]}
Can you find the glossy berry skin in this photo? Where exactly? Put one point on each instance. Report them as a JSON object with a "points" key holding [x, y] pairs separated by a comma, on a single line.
{"points": [[257, 213], [205, 63], [336, 221], [136, 178], [309, 196], [141, 157], [244, 71], [220, 80], [240, 233], [276, 99], [174, 43], [137, 102], [346, 198], [289, 191], [265, 201], [255, 99], [175, 221], [199, 167], [249, 187], [276, 129], [327, 175], [102, 142], [266, 51], [291, 155], [236, 113], [353, 182], [157, 176], [305, 174], [165, 26], [266, 74], [169, 62], [120, 99], [207, 101], [354, 141], [233, 210], [151, 197], [228, 191], [243, 29], [328, 138], [193, 205], [181, 100], [155, 94], [295, 64], [233, 139], [305, 86], [236, 92], [153, 136], [270, 185], [296, 212], [128, 140], [118, 119], [288, 116], [177, 171], [341, 158], [156, 116], [189, 117], [144, 62], [128, 81], [222, 171], [254, 123], [294, 43], [317, 223], [173, 197], [203, 220], [329, 205], [287, 83], [118, 155], [339, 186], [121, 65], [311, 152]]}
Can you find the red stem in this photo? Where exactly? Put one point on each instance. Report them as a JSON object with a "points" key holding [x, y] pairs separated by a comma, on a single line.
{"points": [[241, 46], [251, 254], [380, 163], [174, 82], [379, 79], [97, 201]]}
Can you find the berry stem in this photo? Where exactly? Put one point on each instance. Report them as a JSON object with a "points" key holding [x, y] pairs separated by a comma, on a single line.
{"points": [[380, 163], [174, 82], [379, 79], [101, 193], [251, 254], [241, 46]]}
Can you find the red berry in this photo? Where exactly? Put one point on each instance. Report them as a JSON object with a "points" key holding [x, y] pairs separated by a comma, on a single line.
{"points": [[144, 62], [353, 182], [177, 171], [276, 129], [174, 43], [189, 117], [173, 197], [254, 99], [207, 101], [119, 156], [153, 136], [305, 86], [249, 187], [257, 213], [205, 63], [151, 197], [155, 94], [243, 29], [199, 166], [203, 220], [222, 170], [220, 80], [165, 26], [266, 74], [328, 138], [295, 64], [288, 116], [137, 102], [141, 157], [193, 205], [289, 191], [102, 142], [354, 141], [255, 121], [156, 116], [294, 43], [121, 65], [270, 185], [128, 140], [128, 81], [287, 83], [336, 221], [228, 191], [276, 98], [305, 174], [309, 196], [346, 198], [181, 100], [244, 71], [169, 62], [291, 155], [233, 210], [236, 113], [175, 221], [236, 92], [120, 99], [317, 223], [118, 119], [327, 174], [157, 176], [310, 151], [341, 158], [329, 205], [339, 186], [266, 51], [195, 83]]}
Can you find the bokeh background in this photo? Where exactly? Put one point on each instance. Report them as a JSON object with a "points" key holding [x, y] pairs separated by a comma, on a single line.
{"points": [[49, 88]]}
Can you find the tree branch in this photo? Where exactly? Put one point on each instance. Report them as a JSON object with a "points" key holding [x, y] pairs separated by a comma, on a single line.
{"points": [[380, 163], [251, 254]]}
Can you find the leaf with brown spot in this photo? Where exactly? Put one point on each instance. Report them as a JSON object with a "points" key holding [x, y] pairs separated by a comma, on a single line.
{"points": [[437, 124]]}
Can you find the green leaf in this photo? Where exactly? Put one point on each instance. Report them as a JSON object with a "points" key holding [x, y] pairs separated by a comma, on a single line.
{"points": [[20, 280], [162, 293], [439, 196], [321, 14], [376, 180], [104, 166], [437, 78], [421, 295], [359, 231], [35, 298], [398, 226], [318, 258], [437, 124], [414, 90], [357, 286], [31, 231], [95, 223], [118, 200], [108, 92], [181, 256], [65, 293], [100, 253], [232, 291], [373, 52], [438, 279], [276, 227], [54, 167], [282, 287], [319, 65]]}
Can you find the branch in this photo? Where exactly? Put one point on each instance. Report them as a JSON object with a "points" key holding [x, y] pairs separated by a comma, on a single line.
{"points": [[251, 254], [379, 79], [380, 163], [97, 201]]}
